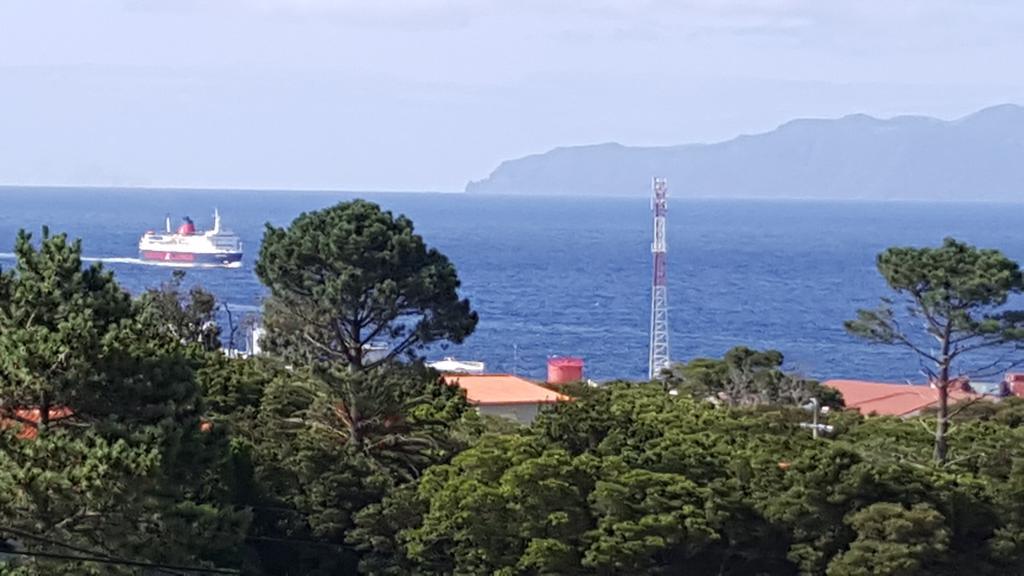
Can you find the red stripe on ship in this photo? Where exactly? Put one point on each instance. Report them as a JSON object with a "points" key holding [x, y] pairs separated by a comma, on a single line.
{"points": [[168, 256]]}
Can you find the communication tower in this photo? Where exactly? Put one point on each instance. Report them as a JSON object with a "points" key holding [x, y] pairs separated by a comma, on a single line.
{"points": [[659, 350]]}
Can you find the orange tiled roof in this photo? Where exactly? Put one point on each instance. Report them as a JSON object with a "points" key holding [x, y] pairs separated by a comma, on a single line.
{"points": [[28, 418], [503, 389], [32, 415], [891, 399]]}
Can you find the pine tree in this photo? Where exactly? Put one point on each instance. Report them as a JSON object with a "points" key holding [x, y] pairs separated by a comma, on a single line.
{"points": [[101, 448]]}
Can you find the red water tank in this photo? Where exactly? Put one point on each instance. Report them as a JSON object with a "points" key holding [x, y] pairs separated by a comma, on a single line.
{"points": [[1015, 383], [565, 369]]}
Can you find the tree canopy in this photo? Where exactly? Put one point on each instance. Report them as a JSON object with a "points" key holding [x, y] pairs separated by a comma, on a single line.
{"points": [[344, 278], [949, 311], [746, 377], [631, 480], [188, 316], [100, 448]]}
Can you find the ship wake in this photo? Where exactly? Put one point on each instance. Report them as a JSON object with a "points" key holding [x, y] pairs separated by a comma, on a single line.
{"points": [[138, 262]]}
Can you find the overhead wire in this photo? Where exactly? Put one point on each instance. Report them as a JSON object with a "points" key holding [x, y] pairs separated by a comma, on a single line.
{"points": [[91, 556], [52, 542]]}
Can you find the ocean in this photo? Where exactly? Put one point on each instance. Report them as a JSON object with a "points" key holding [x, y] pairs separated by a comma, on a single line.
{"points": [[571, 276]]}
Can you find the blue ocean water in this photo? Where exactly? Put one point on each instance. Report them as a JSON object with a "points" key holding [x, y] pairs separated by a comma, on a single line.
{"points": [[569, 276]]}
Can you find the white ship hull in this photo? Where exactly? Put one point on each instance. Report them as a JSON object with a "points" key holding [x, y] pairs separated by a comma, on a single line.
{"points": [[214, 248]]}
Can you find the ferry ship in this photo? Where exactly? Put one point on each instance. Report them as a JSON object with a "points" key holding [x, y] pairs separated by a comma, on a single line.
{"points": [[188, 247]]}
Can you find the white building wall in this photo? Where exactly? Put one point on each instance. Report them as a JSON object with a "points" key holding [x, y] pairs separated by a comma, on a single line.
{"points": [[522, 413]]}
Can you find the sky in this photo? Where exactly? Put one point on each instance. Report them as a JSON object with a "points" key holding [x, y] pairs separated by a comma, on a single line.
{"points": [[429, 94]]}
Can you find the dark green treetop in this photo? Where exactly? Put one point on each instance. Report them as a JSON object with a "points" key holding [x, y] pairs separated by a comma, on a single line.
{"points": [[57, 323], [327, 445], [100, 444], [949, 302], [893, 540], [352, 275], [949, 310], [747, 377], [188, 316]]}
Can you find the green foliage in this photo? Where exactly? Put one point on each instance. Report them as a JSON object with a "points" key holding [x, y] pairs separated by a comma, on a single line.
{"points": [[345, 277], [502, 507], [102, 449], [339, 431], [893, 541], [629, 479], [949, 308], [326, 445], [74, 488], [378, 535], [625, 480], [647, 521], [1008, 411], [59, 327], [746, 377], [190, 317], [956, 291], [397, 418], [1007, 543], [232, 388]]}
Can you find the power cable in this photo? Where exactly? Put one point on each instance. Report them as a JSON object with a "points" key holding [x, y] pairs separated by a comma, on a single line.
{"points": [[109, 560], [23, 534]]}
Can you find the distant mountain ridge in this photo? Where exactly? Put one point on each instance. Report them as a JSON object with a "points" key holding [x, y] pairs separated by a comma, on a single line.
{"points": [[977, 157]]}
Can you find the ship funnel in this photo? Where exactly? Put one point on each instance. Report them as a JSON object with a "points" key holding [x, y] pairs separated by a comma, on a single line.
{"points": [[216, 221], [168, 224]]}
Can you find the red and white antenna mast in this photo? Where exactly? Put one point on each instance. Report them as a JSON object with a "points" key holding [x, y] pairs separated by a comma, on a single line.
{"points": [[659, 350]]}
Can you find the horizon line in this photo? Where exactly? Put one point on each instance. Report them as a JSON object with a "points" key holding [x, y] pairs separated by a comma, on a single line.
{"points": [[144, 187], [93, 187]]}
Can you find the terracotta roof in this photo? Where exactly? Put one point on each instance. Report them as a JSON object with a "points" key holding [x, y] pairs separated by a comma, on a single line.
{"points": [[28, 416], [891, 399], [503, 389], [28, 419]]}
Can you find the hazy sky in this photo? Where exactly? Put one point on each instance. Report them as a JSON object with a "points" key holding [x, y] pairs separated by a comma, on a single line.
{"points": [[427, 94]]}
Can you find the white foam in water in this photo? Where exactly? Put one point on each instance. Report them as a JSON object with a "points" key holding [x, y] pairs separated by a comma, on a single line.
{"points": [[136, 261], [113, 260]]}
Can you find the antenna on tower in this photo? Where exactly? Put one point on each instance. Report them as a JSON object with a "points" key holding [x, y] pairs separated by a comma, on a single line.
{"points": [[659, 350]]}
